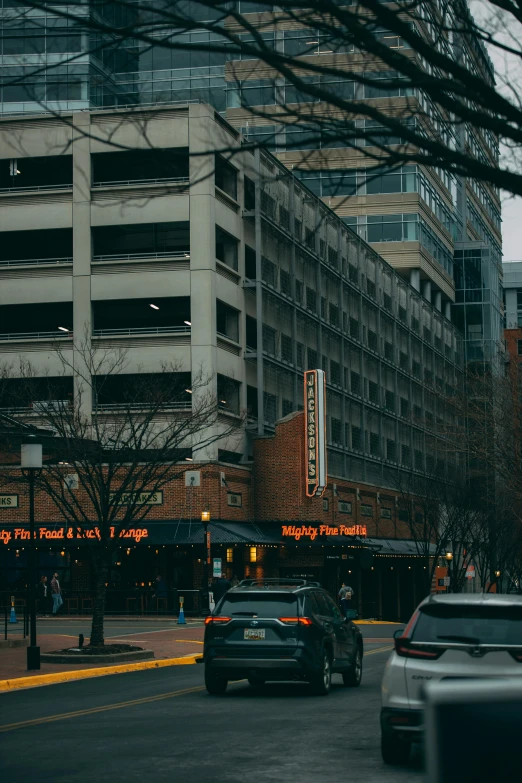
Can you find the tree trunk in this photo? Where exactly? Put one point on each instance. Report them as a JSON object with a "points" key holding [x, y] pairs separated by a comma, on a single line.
{"points": [[101, 571]]}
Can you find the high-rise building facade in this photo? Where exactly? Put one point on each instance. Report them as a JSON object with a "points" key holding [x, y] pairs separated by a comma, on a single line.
{"points": [[242, 272], [440, 232]]}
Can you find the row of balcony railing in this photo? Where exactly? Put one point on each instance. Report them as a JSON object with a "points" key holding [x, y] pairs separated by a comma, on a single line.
{"points": [[179, 181], [177, 255]]}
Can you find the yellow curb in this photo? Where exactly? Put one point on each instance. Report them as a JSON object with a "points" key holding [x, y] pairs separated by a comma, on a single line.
{"points": [[376, 622], [81, 674]]}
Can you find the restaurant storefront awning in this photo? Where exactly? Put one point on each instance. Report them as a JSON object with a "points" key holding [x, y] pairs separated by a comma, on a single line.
{"points": [[190, 532]]}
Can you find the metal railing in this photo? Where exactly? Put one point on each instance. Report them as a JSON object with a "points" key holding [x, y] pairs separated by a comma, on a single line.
{"points": [[22, 261], [36, 336], [136, 601], [137, 406], [141, 330], [151, 181], [26, 188], [175, 254]]}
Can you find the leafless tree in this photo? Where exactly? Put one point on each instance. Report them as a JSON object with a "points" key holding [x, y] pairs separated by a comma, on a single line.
{"points": [[441, 515], [107, 461], [397, 82]]}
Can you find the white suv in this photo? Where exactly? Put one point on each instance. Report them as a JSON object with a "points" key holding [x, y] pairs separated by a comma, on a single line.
{"points": [[449, 637]]}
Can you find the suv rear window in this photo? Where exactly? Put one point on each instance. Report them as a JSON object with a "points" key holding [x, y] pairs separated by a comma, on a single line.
{"points": [[475, 624], [259, 605]]}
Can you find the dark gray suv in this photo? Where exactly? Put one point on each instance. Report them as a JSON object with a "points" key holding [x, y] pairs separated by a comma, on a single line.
{"points": [[280, 630]]}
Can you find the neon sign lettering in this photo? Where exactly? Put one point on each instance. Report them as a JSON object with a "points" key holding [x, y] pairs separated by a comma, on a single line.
{"points": [[312, 531], [136, 534]]}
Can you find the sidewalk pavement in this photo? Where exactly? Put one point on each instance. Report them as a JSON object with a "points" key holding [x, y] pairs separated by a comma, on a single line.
{"points": [[170, 643]]}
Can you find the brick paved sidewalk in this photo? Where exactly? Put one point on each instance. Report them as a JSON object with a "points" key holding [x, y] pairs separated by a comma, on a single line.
{"points": [[171, 643]]}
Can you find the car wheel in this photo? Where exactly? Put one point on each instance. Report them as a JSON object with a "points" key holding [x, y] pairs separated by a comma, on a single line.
{"points": [[352, 678], [215, 685], [256, 682], [321, 682], [394, 750]]}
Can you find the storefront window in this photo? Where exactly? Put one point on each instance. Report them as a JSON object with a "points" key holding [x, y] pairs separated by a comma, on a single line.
{"points": [[253, 554]]}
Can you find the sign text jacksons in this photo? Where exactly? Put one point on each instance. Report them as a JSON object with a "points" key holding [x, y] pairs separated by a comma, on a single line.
{"points": [[315, 436]]}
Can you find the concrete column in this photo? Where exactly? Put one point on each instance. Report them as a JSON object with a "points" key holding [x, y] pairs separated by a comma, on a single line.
{"points": [[82, 256], [437, 301], [242, 321], [202, 265], [447, 310], [426, 290], [415, 279]]}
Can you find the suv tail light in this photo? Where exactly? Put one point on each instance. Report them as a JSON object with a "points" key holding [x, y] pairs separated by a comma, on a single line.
{"points": [[405, 649], [295, 620], [211, 619]]}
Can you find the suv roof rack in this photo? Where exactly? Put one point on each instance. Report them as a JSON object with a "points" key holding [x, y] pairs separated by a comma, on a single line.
{"points": [[274, 582]]}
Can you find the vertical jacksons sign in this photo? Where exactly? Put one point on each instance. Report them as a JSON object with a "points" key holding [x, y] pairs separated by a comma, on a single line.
{"points": [[315, 432]]}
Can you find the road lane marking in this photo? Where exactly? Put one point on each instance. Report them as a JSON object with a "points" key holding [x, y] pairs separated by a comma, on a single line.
{"points": [[93, 710], [141, 633], [181, 641], [379, 650]]}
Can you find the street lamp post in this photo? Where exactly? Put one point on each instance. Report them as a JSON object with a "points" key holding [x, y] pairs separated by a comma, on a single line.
{"points": [[449, 558], [205, 518], [31, 460]]}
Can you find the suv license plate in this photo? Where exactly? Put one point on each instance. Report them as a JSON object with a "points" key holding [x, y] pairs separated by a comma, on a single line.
{"points": [[254, 634]]}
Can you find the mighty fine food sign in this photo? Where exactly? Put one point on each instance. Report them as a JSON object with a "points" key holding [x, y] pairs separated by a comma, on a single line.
{"points": [[315, 432]]}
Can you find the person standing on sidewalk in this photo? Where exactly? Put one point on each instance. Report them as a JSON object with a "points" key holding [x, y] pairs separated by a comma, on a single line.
{"points": [[345, 598], [56, 592]]}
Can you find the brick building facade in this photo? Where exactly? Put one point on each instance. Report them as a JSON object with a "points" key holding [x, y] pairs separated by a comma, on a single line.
{"points": [[262, 525]]}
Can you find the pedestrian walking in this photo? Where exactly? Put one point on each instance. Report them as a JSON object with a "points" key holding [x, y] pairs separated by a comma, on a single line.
{"points": [[345, 598], [43, 594], [56, 592], [235, 581]]}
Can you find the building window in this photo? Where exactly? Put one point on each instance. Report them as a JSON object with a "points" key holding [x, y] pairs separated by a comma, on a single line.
{"points": [[335, 372], [366, 510], [312, 359], [253, 554], [288, 407], [519, 347], [234, 499], [386, 513], [344, 507], [226, 177], [286, 348], [230, 555], [336, 429], [326, 504]]}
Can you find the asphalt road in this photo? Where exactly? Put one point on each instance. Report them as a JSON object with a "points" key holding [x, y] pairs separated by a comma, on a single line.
{"points": [[117, 629], [161, 725]]}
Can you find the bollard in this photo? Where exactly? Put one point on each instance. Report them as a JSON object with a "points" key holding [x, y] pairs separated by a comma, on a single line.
{"points": [[12, 618], [181, 616], [81, 640]]}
